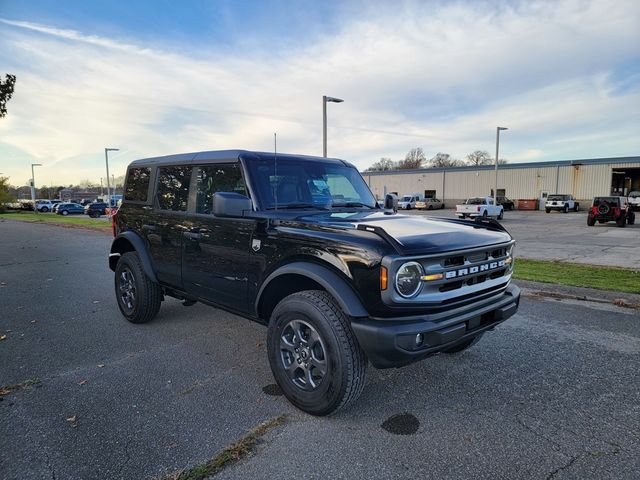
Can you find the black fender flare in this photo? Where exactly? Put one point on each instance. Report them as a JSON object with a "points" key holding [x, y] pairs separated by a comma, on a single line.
{"points": [[329, 280], [138, 245]]}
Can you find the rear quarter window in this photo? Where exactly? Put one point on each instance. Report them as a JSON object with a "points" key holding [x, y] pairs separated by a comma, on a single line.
{"points": [[137, 188]]}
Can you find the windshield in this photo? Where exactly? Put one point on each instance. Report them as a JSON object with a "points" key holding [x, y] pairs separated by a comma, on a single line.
{"points": [[298, 183], [634, 194], [557, 197]]}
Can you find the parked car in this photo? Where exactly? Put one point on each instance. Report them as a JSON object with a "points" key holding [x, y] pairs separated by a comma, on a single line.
{"points": [[480, 207], [45, 206], [429, 204], [339, 282], [95, 209], [505, 202], [69, 209], [634, 201], [407, 202], [561, 202], [610, 209]]}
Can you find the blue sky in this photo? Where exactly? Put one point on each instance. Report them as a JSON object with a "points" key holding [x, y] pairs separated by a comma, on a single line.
{"points": [[155, 78]]}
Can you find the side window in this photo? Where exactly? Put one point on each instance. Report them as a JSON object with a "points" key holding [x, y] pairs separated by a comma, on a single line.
{"points": [[173, 188], [217, 178], [137, 184]]}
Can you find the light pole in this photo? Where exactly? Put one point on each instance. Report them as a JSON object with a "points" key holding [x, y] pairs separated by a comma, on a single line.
{"points": [[106, 158], [101, 188], [326, 99], [495, 190], [33, 186]]}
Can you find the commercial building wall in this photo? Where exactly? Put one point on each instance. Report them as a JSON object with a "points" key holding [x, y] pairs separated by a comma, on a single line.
{"points": [[520, 181]]}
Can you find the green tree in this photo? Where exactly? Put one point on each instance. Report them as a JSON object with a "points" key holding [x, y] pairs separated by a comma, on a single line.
{"points": [[5, 194], [382, 165], [413, 159], [6, 91]]}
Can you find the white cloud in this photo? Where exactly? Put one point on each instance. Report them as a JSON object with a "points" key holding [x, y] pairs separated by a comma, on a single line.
{"points": [[437, 77]]}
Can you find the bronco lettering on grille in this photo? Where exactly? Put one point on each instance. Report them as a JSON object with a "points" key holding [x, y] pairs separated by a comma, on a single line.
{"points": [[485, 267]]}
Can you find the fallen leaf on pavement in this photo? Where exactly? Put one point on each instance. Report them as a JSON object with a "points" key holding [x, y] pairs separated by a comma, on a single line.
{"points": [[100, 365], [34, 321], [3, 337], [83, 382], [72, 419], [96, 301]]}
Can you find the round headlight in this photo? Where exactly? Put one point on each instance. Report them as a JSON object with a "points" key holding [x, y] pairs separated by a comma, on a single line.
{"points": [[408, 279]]}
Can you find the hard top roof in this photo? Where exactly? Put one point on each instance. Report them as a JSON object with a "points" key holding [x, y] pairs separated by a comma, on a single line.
{"points": [[216, 156]]}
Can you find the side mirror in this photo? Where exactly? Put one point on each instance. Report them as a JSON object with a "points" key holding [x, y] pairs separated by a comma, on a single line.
{"points": [[391, 202], [230, 204]]}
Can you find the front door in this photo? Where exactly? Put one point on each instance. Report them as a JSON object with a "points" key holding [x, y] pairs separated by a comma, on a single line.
{"points": [[215, 249]]}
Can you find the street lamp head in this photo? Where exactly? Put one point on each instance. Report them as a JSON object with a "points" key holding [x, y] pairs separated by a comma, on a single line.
{"points": [[334, 99], [503, 128], [36, 164], [111, 149]]}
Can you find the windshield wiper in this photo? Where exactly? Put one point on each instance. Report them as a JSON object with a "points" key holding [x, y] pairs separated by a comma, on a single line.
{"points": [[351, 204]]}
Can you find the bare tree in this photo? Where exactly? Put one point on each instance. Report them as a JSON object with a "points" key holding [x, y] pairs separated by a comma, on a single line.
{"points": [[382, 165], [479, 157], [6, 91], [444, 160], [415, 158]]}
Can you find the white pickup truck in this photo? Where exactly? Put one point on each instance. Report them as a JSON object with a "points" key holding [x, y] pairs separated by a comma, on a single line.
{"points": [[479, 207]]}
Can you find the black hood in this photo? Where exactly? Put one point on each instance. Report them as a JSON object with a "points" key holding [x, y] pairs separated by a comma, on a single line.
{"points": [[413, 234]]}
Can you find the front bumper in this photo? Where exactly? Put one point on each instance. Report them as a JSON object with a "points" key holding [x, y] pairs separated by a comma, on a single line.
{"points": [[392, 342]]}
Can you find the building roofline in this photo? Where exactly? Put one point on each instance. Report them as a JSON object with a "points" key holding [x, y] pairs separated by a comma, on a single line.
{"points": [[510, 166]]}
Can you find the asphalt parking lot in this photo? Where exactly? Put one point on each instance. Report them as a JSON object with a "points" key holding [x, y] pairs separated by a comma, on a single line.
{"points": [[552, 393], [566, 236]]}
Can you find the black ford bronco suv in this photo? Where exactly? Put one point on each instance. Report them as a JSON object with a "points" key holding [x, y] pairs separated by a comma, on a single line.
{"points": [[300, 244]]}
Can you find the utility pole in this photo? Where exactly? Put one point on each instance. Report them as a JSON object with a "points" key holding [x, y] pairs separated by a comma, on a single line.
{"points": [[33, 186], [106, 158], [495, 190], [326, 99]]}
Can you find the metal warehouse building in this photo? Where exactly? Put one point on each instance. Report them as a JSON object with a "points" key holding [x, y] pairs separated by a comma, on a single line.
{"points": [[584, 179]]}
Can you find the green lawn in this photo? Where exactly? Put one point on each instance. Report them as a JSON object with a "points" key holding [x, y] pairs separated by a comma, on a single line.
{"points": [[578, 275], [81, 221]]}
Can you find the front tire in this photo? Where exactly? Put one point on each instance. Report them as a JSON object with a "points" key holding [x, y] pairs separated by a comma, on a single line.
{"points": [[632, 218], [621, 221], [501, 215], [65, 212], [44, 209], [548, 210], [591, 221], [138, 297], [314, 355], [566, 208]]}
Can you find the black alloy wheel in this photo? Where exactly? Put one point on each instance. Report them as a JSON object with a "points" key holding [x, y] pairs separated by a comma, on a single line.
{"points": [[313, 353], [138, 297]]}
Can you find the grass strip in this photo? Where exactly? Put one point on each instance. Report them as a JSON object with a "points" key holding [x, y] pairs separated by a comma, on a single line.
{"points": [[577, 275], [229, 455], [80, 221], [7, 389]]}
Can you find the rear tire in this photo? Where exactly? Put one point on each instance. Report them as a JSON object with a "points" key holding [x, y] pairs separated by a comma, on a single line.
{"points": [[632, 218], [501, 215], [591, 221], [485, 214], [566, 208], [548, 210], [576, 207], [621, 221], [314, 355], [44, 209], [138, 297], [65, 212]]}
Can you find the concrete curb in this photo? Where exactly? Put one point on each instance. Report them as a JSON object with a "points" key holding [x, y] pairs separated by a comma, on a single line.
{"points": [[552, 290]]}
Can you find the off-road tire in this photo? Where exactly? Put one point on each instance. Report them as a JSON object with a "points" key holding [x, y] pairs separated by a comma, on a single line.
{"points": [[576, 207], [148, 294], [548, 210], [631, 219], [566, 208], [463, 346], [591, 221], [501, 215], [621, 221], [345, 361]]}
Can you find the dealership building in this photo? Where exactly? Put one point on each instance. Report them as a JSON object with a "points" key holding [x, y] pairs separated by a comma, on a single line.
{"points": [[584, 179]]}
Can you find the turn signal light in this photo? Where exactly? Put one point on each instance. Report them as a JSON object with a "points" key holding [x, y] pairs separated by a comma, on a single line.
{"points": [[433, 276], [384, 280]]}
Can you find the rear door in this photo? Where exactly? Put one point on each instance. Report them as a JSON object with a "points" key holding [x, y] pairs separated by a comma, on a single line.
{"points": [[216, 249], [164, 226]]}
